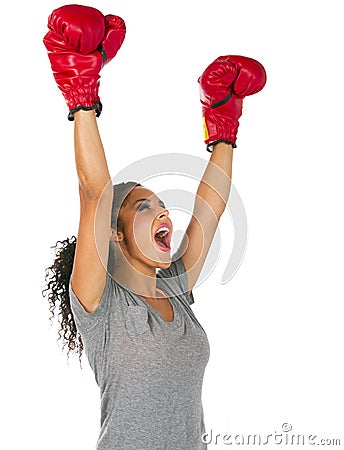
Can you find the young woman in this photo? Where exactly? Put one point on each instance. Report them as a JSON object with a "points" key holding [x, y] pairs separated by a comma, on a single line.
{"points": [[141, 337]]}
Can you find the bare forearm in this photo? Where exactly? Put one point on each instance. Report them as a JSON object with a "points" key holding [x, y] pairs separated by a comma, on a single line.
{"points": [[90, 158], [215, 185]]}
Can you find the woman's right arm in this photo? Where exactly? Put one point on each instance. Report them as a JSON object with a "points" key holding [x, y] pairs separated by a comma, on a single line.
{"points": [[80, 41], [96, 193]]}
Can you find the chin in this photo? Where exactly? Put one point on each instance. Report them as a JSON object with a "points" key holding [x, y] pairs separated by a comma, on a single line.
{"points": [[156, 257], [163, 263]]}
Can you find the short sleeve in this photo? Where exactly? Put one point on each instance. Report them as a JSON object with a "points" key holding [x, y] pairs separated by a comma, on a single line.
{"points": [[84, 320], [178, 277]]}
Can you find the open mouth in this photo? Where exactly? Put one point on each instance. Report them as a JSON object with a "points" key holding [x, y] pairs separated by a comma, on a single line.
{"points": [[163, 239]]}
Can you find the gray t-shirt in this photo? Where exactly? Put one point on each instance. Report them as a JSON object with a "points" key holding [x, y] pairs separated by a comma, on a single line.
{"points": [[149, 371]]}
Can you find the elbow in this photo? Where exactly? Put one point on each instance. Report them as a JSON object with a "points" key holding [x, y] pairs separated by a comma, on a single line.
{"points": [[95, 190]]}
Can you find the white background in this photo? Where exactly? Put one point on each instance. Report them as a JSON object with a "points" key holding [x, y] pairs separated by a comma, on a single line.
{"points": [[275, 329]]}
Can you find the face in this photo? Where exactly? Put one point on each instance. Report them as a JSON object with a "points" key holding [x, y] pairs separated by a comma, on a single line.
{"points": [[147, 228]]}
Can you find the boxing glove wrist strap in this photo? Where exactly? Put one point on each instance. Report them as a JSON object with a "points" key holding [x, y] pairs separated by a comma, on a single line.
{"points": [[97, 106], [211, 145]]}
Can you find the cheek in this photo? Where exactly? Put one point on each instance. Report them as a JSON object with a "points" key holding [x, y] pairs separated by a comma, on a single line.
{"points": [[142, 231]]}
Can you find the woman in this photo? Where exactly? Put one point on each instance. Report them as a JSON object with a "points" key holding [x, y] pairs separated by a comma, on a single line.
{"points": [[142, 339]]}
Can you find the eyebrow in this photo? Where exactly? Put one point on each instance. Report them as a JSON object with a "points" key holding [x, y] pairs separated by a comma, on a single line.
{"points": [[161, 203]]}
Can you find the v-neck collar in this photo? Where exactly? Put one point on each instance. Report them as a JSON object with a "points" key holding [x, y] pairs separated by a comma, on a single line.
{"points": [[174, 303]]}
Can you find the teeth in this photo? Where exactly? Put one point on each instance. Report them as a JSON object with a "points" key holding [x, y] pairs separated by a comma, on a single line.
{"points": [[162, 229]]}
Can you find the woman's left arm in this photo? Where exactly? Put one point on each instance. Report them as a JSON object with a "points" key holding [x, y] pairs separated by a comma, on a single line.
{"points": [[210, 202], [223, 85]]}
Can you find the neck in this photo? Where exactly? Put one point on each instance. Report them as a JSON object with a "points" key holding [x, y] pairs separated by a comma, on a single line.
{"points": [[137, 276]]}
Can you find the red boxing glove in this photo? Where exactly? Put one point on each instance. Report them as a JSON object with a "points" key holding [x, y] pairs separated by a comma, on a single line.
{"points": [[223, 85], [80, 41]]}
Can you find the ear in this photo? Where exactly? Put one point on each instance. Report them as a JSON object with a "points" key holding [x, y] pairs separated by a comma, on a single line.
{"points": [[116, 236]]}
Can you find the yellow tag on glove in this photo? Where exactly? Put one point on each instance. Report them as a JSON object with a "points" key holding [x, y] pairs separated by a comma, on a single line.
{"points": [[205, 130]]}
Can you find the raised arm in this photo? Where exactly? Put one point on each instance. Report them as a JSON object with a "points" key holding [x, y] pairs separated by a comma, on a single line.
{"points": [[80, 41], [210, 202], [95, 189], [223, 85]]}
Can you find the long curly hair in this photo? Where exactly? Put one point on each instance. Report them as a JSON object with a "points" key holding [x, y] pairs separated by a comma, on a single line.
{"points": [[57, 276]]}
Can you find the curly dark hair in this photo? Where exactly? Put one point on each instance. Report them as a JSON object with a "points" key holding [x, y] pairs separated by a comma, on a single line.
{"points": [[57, 276]]}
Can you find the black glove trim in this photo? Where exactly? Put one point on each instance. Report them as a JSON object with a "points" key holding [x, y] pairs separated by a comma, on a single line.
{"points": [[102, 52], [222, 102], [97, 106], [216, 142]]}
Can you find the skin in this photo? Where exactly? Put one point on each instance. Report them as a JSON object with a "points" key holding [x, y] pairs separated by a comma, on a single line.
{"points": [[136, 254]]}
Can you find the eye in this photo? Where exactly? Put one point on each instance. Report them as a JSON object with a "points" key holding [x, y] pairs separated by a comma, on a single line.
{"points": [[143, 206]]}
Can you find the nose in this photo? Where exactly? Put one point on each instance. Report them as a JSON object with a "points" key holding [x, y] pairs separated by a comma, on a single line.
{"points": [[164, 213]]}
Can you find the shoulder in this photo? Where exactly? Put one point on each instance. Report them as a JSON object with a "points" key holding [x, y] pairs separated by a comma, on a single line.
{"points": [[84, 319], [176, 277]]}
